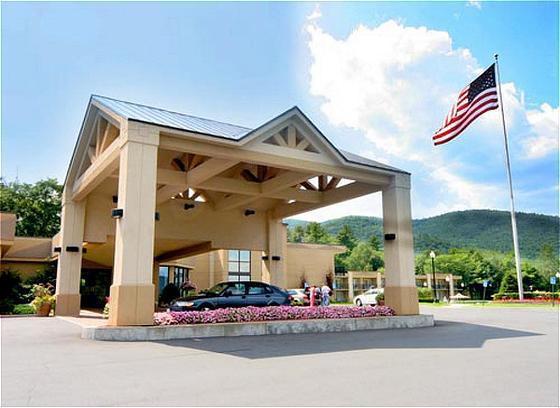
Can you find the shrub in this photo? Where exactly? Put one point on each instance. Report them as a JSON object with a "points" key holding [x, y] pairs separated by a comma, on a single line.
{"points": [[11, 291], [169, 293], [106, 307], [46, 276], [269, 313], [43, 295], [425, 294], [24, 309], [537, 295]]}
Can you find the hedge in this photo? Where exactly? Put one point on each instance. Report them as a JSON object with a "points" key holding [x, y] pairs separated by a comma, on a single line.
{"points": [[526, 295]]}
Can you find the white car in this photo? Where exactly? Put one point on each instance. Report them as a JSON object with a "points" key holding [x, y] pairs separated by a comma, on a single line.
{"points": [[298, 296], [369, 297]]}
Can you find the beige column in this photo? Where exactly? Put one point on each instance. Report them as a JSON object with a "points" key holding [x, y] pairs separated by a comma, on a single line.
{"points": [[451, 285], [171, 274], [155, 281], [379, 280], [275, 265], [350, 286], [69, 266], [400, 289], [132, 292], [211, 268]]}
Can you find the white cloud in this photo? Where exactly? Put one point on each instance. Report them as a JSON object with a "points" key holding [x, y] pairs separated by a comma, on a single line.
{"points": [[545, 124], [474, 3], [316, 14], [394, 84]]}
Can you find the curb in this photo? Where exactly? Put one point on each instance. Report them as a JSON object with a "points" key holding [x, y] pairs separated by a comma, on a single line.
{"points": [[157, 333]]}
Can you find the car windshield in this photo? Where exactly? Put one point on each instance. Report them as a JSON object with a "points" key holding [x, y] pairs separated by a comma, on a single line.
{"points": [[293, 292], [215, 290]]}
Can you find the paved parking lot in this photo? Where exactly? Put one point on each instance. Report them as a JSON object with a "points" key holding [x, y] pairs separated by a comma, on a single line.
{"points": [[474, 356]]}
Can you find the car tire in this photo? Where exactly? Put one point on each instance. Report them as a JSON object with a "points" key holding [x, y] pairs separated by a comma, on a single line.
{"points": [[359, 302], [205, 306]]}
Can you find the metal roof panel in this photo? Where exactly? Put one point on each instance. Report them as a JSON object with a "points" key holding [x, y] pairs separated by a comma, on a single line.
{"points": [[175, 120]]}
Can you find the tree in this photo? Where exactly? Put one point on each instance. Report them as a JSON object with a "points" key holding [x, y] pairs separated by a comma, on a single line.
{"points": [[360, 258], [316, 234], [37, 206], [376, 262], [346, 237], [420, 262], [296, 234], [532, 280], [374, 242], [549, 263]]}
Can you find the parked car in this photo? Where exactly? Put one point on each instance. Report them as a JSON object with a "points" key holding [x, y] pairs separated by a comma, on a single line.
{"points": [[233, 294], [369, 297], [299, 298]]}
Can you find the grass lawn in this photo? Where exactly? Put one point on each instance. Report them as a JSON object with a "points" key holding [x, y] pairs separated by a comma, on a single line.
{"points": [[493, 305]]}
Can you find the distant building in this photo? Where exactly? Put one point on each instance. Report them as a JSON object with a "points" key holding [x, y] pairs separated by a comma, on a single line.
{"points": [[350, 284], [24, 255]]}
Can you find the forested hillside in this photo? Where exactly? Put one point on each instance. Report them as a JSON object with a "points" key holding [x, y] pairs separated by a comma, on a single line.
{"points": [[482, 229]]}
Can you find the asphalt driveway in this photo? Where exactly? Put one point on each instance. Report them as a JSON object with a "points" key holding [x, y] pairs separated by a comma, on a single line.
{"points": [[474, 356]]}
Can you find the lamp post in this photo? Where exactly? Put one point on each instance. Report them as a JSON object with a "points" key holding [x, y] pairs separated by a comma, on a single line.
{"points": [[433, 256]]}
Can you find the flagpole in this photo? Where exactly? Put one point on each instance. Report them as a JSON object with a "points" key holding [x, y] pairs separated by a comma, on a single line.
{"points": [[513, 221]]}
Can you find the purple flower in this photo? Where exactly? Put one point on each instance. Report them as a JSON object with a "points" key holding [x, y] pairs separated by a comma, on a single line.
{"points": [[269, 313]]}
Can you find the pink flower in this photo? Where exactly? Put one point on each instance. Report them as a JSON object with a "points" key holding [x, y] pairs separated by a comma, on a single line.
{"points": [[270, 313]]}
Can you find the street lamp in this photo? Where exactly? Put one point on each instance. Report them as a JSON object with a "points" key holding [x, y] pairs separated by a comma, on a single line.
{"points": [[433, 256]]}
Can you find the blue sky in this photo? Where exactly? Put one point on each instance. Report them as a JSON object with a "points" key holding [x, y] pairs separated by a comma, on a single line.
{"points": [[377, 78]]}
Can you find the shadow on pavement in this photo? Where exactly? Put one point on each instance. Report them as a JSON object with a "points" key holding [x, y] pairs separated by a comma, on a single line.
{"points": [[446, 334]]}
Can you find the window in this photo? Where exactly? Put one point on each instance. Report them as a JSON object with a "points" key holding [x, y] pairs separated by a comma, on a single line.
{"points": [[256, 290], [239, 265], [163, 277], [181, 275], [237, 289]]}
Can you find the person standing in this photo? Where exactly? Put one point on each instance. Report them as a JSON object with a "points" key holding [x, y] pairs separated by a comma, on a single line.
{"points": [[312, 294], [325, 295]]}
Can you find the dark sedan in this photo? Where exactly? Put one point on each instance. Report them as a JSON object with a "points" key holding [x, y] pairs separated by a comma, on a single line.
{"points": [[233, 294]]}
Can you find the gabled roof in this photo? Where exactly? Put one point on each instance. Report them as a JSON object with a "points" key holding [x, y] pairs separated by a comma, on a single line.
{"points": [[208, 127]]}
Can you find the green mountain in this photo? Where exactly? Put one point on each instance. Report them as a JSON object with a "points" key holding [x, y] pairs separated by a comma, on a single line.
{"points": [[482, 229]]}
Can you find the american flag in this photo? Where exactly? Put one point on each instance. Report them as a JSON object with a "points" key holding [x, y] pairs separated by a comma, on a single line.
{"points": [[478, 97]]}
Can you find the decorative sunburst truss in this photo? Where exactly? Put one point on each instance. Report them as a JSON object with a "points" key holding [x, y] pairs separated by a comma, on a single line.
{"points": [[103, 134], [291, 137]]}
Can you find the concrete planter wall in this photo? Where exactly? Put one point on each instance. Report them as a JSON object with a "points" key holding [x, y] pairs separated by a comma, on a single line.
{"points": [[153, 333]]}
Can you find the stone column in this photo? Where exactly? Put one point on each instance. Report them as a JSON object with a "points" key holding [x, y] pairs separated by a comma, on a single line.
{"points": [[69, 267], [379, 280], [211, 268], [155, 281], [277, 251], [400, 289], [451, 285], [132, 292], [350, 286], [171, 274]]}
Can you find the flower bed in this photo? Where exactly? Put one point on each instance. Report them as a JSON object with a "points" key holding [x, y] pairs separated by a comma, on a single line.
{"points": [[270, 313], [531, 301]]}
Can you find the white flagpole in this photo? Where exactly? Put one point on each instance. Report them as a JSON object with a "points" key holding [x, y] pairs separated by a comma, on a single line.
{"points": [[513, 222]]}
